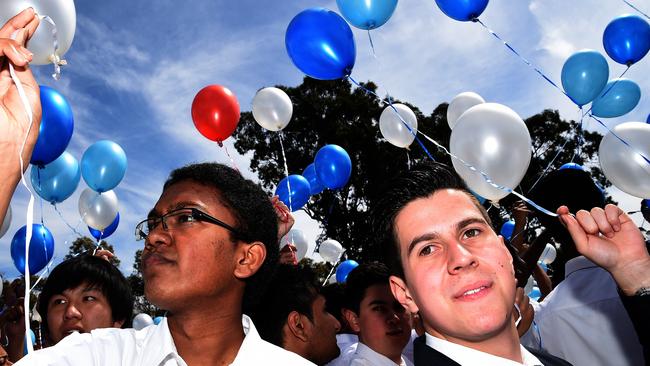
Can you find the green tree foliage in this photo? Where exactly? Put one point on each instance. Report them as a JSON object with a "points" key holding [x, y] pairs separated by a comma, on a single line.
{"points": [[333, 112], [86, 245], [141, 304]]}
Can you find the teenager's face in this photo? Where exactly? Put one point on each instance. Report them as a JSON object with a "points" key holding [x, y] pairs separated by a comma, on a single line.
{"points": [[80, 309], [324, 327], [458, 272]]}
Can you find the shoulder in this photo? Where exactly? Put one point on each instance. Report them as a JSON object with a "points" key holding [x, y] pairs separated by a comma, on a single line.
{"points": [[547, 358], [265, 353]]}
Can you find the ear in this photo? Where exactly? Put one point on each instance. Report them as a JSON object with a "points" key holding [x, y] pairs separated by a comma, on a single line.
{"points": [[402, 294], [118, 324], [352, 318], [296, 326], [250, 258]]}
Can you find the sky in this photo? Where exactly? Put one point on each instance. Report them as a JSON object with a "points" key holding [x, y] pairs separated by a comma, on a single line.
{"points": [[134, 68]]}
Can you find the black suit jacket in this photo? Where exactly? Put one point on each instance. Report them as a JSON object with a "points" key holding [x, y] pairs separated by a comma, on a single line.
{"points": [[424, 355]]}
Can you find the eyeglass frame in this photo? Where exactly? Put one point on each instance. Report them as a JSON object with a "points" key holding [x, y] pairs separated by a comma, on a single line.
{"points": [[197, 214]]}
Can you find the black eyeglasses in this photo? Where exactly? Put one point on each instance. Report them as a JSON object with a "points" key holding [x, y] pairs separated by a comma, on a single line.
{"points": [[179, 218]]}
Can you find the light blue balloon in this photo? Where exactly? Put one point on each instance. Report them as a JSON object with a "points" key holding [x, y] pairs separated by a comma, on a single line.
{"points": [[619, 97], [103, 165], [58, 180], [157, 320], [535, 293], [367, 14], [584, 75], [315, 185]]}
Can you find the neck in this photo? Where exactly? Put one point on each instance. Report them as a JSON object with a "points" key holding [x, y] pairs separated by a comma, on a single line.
{"points": [[503, 344], [207, 336]]}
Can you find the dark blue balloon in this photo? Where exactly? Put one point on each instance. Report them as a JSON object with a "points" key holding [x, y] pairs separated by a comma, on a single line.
{"points": [[584, 76], [58, 180], [619, 97], [103, 165], [367, 14], [56, 127], [572, 166], [344, 269], [645, 209], [507, 229], [320, 43], [315, 185], [299, 192], [647, 120], [41, 248], [333, 166], [110, 229], [627, 39], [462, 10]]}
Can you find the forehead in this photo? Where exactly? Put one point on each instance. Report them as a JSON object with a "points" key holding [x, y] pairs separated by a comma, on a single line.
{"points": [[191, 193], [378, 292]]}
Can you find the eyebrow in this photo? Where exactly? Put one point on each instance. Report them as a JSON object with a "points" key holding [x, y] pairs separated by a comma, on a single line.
{"points": [[178, 205], [377, 302], [434, 235]]}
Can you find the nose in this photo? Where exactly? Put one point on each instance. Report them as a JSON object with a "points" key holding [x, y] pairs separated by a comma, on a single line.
{"points": [[159, 235], [460, 258], [337, 324], [71, 312]]}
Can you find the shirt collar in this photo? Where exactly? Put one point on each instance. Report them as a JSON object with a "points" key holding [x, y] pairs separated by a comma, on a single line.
{"points": [[576, 264], [468, 356], [247, 354], [160, 339], [375, 357]]}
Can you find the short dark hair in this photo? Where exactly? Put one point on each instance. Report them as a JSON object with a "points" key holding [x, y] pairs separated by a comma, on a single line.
{"points": [[358, 281], [293, 288], [93, 271], [252, 209], [334, 294], [421, 181]]}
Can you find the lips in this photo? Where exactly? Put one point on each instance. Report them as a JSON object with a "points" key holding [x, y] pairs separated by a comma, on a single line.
{"points": [[69, 330], [395, 332], [154, 259], [473, 291]]}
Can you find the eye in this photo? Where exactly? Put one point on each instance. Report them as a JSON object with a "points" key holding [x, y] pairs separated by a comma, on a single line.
{"points": [[183, 218], [426, 250], [58, 301], [89, 298], [470, 233], [152, 223]]}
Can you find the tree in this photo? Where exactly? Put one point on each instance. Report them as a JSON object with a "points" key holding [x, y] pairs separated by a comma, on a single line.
{"points": [[86, 245], [332, 112], [141, 304]]}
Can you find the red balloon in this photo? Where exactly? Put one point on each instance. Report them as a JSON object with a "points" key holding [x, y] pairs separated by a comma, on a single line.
{"points": [[215, 112]]}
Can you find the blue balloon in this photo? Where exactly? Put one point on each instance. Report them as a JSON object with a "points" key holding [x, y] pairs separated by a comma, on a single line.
{"points": [[32, 338], [110, 229], [320, 43], [584, 76], [572, 166], [315, 185], [299, 192], [55, 131], [157, 320], [333, 166], [645, 209], [103, 165], [507, 229], [619, 97], [627, 39], [58, 180], [367, 14], [41, 248], [462, 10], [535, 293], [344, 269], [647, 120]]}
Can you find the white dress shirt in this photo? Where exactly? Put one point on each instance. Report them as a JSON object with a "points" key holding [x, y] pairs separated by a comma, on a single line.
{"points": [[151, 346], [466, 356], [583, 320], [366, 356], [348, 346]]}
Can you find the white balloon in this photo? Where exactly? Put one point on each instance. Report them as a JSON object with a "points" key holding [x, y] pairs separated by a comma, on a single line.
{"points": [[98, 210], [529, 285], [6, 223], [461, 103], [624, 165], [330, 250], [272, 108], [1, 285], [495, 140], [297, 238], [549, 254], [62, 12], [142, 321], [392, 127]]}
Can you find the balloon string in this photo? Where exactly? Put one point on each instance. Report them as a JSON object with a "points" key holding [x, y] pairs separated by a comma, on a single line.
{"points": [[487, 178], [618, 137], [608, 89], [408, 160], [54, 57], [372, 46], [44, 273], [286, 170], [30, 206], [637, 9], [476, 20], [390, 103], [333, 268], [232, 161], [38, 173], [74, 230]]}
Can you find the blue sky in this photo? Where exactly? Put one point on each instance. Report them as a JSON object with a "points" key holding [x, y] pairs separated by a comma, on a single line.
{"points": [[134, 68]]}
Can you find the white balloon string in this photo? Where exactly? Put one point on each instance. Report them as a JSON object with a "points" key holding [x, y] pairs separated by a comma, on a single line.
{"points": [[408, 160], [54, 57], [232, 161], [549, 165], [637, 9], [286, 170], [333, 268], [372, 46], [74, 230], [30, 207], [45, 273], [487, 179]]}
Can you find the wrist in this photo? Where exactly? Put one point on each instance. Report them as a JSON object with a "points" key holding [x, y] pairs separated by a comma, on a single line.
{"points": [[633, 277]]}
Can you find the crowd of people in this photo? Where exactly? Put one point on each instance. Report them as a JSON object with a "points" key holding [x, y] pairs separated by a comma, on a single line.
{"points": [[444, 293]]}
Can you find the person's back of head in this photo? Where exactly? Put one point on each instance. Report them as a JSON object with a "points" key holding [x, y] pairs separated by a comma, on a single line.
{"points": [[84, 293], [292, 314], [372, 311], [334, 296]]}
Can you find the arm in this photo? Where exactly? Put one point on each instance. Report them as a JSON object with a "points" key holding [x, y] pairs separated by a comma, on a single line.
{"points": [[14, 123]]}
